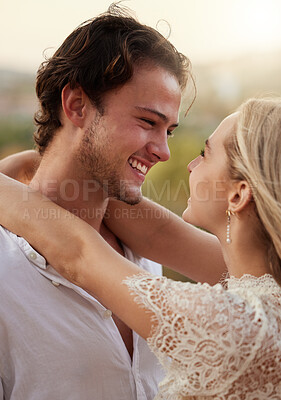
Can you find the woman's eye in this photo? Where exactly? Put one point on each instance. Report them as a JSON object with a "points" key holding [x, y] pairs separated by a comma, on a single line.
{"points": [[202, 153], [170, 134]]}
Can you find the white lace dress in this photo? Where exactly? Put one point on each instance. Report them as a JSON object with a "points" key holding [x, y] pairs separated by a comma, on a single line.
{"points": [[215, 342]]}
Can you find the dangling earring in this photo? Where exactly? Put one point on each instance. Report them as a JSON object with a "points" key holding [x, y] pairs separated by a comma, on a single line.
{"points": [[228, 214]]}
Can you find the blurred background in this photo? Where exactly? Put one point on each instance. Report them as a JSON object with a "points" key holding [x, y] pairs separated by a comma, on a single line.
{"points": [[234, 47]]}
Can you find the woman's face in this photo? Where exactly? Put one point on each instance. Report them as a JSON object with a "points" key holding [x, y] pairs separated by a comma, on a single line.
{"points": [[209, 181]]}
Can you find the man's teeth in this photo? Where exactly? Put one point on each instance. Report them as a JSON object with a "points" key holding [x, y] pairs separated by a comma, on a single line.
{"points": [[135, 164], [142, 168]]}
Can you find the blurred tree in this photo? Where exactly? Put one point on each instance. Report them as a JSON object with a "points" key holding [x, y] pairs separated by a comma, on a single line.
{"points": [[15, 135]]}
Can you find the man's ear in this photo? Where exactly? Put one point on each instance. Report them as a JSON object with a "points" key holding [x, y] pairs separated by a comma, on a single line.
{"points": [[74, 104], [240, 196]]}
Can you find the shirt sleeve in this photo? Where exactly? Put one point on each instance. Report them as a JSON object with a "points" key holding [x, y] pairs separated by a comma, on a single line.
{"points": [[203, 335]]}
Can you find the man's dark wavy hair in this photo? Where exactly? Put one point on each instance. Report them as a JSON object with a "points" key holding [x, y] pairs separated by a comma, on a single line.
{"points": [[100, 55]]}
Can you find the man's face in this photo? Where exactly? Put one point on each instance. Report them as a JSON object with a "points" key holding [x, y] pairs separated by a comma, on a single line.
{"points": [[121, 145]]}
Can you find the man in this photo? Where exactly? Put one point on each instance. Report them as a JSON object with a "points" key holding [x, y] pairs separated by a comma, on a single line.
{"points": [[109, 99]]}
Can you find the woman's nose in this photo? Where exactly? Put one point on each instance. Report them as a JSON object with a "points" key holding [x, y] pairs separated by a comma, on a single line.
{"points": [[193, 164]]}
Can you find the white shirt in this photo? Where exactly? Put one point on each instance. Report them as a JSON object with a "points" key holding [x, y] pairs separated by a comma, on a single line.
{"points": [[58, 342]]}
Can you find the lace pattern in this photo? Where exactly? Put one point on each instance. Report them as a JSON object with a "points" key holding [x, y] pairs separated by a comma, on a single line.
{"points": [[215, 343]]}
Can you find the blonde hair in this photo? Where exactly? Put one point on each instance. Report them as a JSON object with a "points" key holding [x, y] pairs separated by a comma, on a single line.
{"points": [[254, 153]]}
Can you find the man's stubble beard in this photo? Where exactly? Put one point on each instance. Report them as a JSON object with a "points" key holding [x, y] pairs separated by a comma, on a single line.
{"points": [[94, 160]]}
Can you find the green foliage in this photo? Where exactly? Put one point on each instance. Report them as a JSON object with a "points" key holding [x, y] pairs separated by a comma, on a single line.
{"points": [[15, 133]]}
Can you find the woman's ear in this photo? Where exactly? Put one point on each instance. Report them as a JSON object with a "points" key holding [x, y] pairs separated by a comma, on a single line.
{"points": [[73, 103], [240, 196]]}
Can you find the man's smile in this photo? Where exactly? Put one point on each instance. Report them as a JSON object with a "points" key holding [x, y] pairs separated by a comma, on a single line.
{"points": [[136, 164]]}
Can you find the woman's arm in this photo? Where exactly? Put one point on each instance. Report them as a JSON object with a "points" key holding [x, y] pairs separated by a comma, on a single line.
{"points": [[154, 232], [74, 249], [21, 166], [148, 229]]}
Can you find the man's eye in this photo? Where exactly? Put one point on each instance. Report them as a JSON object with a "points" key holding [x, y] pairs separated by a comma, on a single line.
{"points": [[202, 153], [170, 134], [148, 121]]}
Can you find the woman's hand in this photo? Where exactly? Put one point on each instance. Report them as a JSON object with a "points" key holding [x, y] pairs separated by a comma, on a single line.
{"points": [[21, 166]]}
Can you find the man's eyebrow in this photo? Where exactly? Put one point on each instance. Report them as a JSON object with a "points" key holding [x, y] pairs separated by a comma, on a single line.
{"points": [[159, 114]]}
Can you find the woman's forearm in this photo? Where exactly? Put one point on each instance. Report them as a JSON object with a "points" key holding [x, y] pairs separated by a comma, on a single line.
{"points": [[156, 233], [148, 229], [74, 249]]}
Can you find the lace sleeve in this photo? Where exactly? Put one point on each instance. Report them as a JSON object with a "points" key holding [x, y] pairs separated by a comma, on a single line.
{"points": [[203, 335]]}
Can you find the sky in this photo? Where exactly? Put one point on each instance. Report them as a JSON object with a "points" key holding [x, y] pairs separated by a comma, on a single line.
{"points": [[204, 30]]}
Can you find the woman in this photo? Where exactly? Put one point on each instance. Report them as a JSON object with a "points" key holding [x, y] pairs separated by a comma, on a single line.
{"points": [[216, 342]]}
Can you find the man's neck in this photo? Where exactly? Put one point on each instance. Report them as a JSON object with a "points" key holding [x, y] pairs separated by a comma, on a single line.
{"points": [[61, 183]]}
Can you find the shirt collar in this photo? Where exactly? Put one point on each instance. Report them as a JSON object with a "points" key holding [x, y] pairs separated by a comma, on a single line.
{"points": [[46, 269]]}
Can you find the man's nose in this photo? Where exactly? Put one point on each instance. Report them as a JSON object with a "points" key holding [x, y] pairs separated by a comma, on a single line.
{"points": [[159, 149]]}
